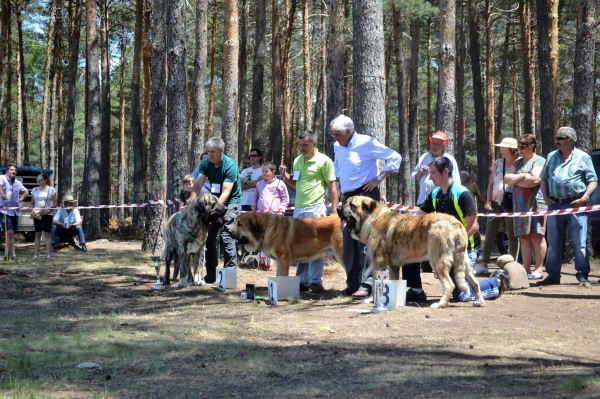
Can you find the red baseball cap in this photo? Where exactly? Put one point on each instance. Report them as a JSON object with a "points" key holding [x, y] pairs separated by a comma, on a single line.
{"points": [[440, 136]]}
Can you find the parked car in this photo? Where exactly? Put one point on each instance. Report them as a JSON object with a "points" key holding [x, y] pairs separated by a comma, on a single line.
{"points": [[27, 176]]}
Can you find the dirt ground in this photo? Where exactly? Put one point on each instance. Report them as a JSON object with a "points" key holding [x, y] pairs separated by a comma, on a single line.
{"points": [[198, 342]]}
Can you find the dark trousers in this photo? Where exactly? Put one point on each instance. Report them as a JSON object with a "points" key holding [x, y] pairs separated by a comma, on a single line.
{"points": [[412, 274], [357, 260], [227, 243]]}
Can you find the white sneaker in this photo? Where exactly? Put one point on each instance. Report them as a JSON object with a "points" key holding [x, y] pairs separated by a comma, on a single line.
{"points": [[481, 269]]}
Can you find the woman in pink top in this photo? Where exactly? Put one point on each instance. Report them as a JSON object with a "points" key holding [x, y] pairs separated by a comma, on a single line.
{"points": [[271, 193]]}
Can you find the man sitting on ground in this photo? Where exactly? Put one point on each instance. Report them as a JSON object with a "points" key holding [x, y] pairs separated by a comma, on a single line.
{"points": [[67, 224]]}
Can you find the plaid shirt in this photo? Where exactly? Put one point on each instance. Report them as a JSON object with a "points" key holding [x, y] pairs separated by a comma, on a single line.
{"points": [[570, 178]]}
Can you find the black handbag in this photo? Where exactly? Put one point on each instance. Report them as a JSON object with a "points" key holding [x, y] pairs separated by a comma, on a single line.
{"points": [[507, 199]]}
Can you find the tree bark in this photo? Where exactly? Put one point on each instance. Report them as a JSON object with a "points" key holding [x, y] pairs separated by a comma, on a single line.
{"points": [[446, 101], [147, 59], [335, 70], [275, 151], [258, 74], [554, 46], [460, 93], [413, 117], [55, 110], [153, 239], [369, 83], [490, 122], [22, 145], [122, 161], [308, 122], [528, 108], [177, 120], [243, 77], [429, 116], [137, 135], [44, 126], [231, 49], [213, 72], [105, 185], [285, 79], [93, 135], [546, 104], [583, 83], [501, 88], [198, 116], [4, 65], [9, 139], [66, 188], [404, 142]]}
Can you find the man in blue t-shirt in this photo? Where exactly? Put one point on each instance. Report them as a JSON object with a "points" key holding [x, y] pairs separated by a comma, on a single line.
{"points": [[223, 174]]}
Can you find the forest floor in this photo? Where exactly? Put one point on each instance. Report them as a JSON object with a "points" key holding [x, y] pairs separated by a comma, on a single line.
{"points": [[198, 342]]}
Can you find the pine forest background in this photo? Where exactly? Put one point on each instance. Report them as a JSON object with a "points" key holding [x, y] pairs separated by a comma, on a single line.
{"points": [[119, 96]]}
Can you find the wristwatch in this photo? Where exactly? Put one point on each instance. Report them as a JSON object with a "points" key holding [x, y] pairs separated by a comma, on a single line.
{"points": [[379, 178], [587, 199]]}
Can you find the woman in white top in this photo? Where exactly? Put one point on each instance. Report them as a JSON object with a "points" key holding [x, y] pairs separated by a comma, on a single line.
{"points": [[43, 196]]}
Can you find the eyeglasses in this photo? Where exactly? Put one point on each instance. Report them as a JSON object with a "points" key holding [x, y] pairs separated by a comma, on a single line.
{"points": [[559, 138], [523, 146], [252, 155], [40, 178]]}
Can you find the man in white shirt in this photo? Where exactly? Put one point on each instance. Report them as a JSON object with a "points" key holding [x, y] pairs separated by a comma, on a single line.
{"points": [[67, 224], [356, 165], [249, 177]]}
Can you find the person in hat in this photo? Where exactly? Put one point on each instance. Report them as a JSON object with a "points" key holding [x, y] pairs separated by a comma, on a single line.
{"points": [[12, 192], [67, 224], [495, 202]]}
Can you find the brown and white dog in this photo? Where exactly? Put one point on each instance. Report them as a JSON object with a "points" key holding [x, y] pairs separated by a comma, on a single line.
{"points": [[395, 239], [290, 240], [185, 237]]}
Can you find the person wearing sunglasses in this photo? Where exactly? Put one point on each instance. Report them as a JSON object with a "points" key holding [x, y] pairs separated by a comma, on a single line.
{"points": [[525, 184], [44, 196], [249, 177], [568, 181]]}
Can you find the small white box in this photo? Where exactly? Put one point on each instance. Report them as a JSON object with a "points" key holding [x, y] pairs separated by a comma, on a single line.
{"points": [[394, 293], [283, 287], [226, 278]]}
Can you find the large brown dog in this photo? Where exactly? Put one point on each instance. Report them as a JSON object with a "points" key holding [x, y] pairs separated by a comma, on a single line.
{"points": [[397, 239], [185, 237], [290, 240]]}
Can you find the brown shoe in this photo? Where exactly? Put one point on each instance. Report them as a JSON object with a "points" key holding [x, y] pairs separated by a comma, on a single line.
{"points": [[361, 294]]}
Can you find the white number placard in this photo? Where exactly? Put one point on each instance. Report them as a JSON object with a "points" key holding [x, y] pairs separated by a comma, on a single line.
{"points": [[226, 278], [391, 293]]}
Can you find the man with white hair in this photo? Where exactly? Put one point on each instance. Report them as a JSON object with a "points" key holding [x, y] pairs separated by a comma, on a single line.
{"points": [[568, 181], [223, 174], [356, 165]]}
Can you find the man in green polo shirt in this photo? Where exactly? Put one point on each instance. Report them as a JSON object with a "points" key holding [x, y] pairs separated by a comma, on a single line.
{"points": [[312, 175], [223, 174]]}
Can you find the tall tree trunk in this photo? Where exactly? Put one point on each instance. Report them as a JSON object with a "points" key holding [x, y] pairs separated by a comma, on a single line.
{"points": [[176, 97], [105, 185], [243, 77], [43, 160], [93, 129], [147, 59], [429, 116], [516, 115], [335, 70], [404, 144], [413, 117], [446, 101], [490, 122], [213, 73], [137, 134], [583, 83], [56, 95], [66, 188], [501, 88], [368, 80], [528, 108], [460, 92], [9, 150], [22, 145], [122, 162], [4, 66], [231, 48], [553, 15], [308, 123], [198, 116], [320, 119], [482, 143], [158, 149], [275, 152], [60, 114], [546, 104], [285, 75], [258, 73]]}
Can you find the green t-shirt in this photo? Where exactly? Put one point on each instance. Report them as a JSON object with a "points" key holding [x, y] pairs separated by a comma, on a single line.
{"points": [[314, 175], [227, 172]]}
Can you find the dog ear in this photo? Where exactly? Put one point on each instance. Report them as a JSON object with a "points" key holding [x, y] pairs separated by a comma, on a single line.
{"points": [[368, 205], [255, 227], [340, 213]]}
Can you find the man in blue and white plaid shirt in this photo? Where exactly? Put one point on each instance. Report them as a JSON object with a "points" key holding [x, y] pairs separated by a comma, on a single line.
{"points": [[568, 181]]}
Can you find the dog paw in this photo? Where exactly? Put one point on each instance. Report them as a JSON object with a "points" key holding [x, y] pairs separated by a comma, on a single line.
{"points": [[479, 304], [435, 305], [198, 280], [182, 283]]}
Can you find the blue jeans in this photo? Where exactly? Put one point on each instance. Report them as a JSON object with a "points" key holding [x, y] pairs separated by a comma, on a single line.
{"points": [[556, 226], [316, 266], [58, 233]]}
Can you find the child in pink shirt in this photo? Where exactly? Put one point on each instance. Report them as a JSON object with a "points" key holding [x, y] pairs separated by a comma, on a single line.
{"points": [[271, 193]]}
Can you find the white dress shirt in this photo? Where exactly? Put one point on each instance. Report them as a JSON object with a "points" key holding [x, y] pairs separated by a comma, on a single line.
{"points": [[426, 186], [356, 164]]}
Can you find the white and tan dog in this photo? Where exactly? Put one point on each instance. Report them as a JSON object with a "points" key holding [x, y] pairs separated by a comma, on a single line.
{"points": [[397, 239]]}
